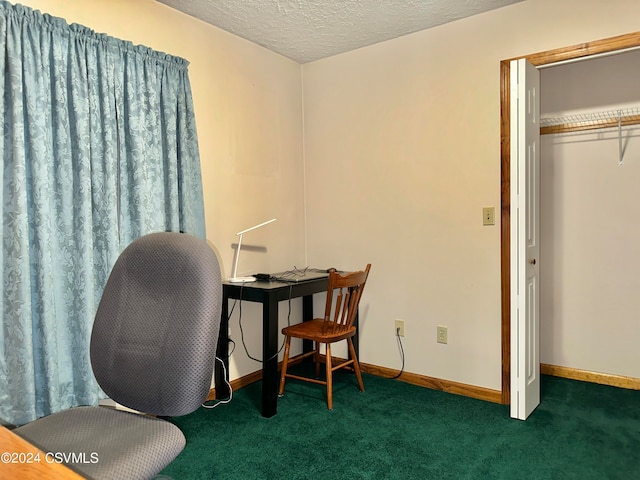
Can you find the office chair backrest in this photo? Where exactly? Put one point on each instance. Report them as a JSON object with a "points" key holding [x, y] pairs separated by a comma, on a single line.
{"points": [[156, 328], [343, 297]]}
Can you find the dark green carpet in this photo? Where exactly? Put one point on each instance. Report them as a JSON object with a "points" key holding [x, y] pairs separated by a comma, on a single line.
{"points": [[399, 431]]}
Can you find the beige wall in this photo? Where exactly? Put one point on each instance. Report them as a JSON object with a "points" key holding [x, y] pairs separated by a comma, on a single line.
{"points": [[589, 221], [402, 153], [402, 148]]}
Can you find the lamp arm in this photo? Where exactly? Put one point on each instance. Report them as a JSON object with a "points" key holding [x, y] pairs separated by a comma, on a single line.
{"points": [[234, 278], [256, 226]]}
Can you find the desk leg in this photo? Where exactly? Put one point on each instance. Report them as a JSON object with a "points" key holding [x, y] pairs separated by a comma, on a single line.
{"points": [[270, 376], [222, 352], [307, 314]]}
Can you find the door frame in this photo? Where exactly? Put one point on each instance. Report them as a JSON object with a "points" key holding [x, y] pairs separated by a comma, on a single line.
{"points": [[608, 45]]}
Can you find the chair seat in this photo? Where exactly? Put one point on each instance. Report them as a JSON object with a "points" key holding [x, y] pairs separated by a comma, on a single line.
{"points": [[115, 444], [319, 330]]}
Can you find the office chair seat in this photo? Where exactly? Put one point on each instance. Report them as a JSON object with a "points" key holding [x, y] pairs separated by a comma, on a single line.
{"points": [[152, 350], [101, 442]]}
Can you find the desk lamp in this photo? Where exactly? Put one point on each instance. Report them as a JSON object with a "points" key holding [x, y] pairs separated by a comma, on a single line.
{"points": [[233, 278]]}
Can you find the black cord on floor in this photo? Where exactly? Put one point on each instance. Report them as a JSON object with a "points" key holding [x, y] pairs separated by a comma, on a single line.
{"points": [[401, 354]]}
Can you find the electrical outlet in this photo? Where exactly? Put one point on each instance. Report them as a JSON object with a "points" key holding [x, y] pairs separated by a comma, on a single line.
{"points": [[442, 334], [399, 328]]}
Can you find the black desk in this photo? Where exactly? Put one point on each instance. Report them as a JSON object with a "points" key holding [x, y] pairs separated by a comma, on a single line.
{"points": [[269, 294]]}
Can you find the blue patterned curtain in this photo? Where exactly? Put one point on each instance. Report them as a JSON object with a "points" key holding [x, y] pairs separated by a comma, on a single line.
{"points": [[99, 147]]}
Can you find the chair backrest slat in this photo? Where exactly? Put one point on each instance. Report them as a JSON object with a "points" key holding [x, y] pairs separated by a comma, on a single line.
{"points": [[343, 296]]}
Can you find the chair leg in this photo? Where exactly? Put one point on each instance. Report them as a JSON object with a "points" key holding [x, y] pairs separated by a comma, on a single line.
{"points": [[356, 364], [285, 362], [329, 378], [316, 358]]}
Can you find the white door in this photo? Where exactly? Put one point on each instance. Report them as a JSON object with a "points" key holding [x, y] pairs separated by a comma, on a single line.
{"points": [[525, 238]]}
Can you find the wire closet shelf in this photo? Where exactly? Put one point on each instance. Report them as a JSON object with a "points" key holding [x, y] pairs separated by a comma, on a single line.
{"points": [[593, 121], [590, 121]]}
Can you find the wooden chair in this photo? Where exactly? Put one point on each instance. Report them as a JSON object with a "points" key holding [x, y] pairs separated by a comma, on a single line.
{"points": [[343, 297]]}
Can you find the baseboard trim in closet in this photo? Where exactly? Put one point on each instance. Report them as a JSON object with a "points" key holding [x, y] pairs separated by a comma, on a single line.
{"points": [[620, 381]]}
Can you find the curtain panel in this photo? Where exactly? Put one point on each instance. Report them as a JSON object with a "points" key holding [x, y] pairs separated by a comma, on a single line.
{"points": [[99, 147]]}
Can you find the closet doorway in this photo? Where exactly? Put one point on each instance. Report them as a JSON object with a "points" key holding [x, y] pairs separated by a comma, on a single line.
{"points": [[583, 51]]}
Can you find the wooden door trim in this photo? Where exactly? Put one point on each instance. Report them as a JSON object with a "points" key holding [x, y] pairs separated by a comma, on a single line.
{"points": [[608, 45]]}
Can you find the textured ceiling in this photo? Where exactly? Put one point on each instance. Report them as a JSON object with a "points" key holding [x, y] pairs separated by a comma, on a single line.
{"points": [[307, 30]]}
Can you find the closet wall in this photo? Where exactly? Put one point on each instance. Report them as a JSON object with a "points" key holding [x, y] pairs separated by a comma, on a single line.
{"points": [[590, 220]]}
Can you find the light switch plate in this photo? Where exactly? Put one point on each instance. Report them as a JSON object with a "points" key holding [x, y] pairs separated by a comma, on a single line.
{"points": [[489, 216]]}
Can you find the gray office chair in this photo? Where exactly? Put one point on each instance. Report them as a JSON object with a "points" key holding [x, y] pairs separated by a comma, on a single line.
{"points": [[152, 349]]}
